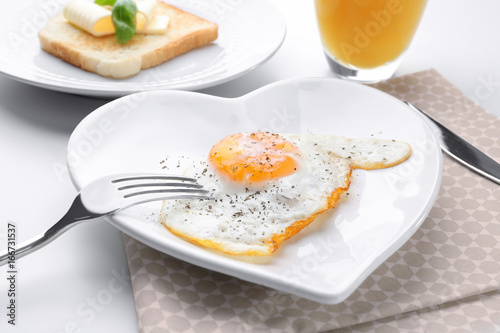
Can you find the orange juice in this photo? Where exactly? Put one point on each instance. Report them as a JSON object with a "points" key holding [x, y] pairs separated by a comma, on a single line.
{"points": [[367, 33]]}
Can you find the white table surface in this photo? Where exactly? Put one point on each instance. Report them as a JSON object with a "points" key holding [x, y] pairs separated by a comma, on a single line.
{"points": [[76, 284]]}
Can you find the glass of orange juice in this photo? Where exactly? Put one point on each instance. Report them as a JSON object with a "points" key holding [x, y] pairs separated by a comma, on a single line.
{"points": [[364, 40]]}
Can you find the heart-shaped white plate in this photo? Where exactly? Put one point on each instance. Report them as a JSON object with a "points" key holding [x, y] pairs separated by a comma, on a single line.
{"points": [[329, 259]]}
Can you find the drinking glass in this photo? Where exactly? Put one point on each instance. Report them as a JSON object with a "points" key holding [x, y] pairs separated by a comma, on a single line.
{"points": [[364, 40]]}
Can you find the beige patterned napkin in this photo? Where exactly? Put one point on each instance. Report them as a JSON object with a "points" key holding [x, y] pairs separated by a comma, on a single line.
{"points": [[446, 278]]}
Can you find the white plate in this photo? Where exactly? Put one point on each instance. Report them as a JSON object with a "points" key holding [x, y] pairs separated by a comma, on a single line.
{"points": [[324, 262], [250, 32]]}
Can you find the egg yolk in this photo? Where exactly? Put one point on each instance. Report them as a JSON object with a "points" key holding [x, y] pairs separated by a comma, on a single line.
{"points": [[254, 157]]}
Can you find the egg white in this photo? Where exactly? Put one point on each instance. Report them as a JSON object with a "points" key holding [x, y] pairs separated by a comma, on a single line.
{"points": [[242, 218]]}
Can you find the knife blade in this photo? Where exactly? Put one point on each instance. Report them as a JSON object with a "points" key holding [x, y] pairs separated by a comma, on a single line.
{"points": [[462, 151]]}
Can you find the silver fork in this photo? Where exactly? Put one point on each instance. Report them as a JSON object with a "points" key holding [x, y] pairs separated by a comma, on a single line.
{"points": [[109, 195]]}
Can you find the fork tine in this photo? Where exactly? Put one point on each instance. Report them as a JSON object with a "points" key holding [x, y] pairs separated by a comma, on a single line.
{"points": [[154, 177], [167, 190], [165, 194], [184, 185]]}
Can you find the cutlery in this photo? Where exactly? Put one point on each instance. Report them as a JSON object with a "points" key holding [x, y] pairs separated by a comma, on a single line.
{"points": [[462, 151], [109, 195]]}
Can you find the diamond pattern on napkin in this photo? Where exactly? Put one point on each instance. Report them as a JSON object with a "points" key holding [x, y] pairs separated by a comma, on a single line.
{"points": [[446, 278]]}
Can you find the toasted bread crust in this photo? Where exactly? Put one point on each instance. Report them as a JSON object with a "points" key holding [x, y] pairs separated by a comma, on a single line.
{"points": [[104, 56]]}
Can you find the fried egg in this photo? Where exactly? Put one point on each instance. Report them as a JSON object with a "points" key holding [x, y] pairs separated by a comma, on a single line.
{"points": [[267, 187]]}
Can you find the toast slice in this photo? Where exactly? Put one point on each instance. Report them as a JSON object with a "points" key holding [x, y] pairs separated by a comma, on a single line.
{"points": [[104, 56]]}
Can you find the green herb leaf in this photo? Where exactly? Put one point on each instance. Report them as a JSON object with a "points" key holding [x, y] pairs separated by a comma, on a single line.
{"points": [[123, 15], [105, 2]]}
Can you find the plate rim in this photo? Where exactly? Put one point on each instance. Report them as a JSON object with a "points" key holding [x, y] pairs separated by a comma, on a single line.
{"points": [[305, 291]]}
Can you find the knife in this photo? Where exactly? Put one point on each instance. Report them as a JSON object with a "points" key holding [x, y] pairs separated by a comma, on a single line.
{"points": [[462, 151]]}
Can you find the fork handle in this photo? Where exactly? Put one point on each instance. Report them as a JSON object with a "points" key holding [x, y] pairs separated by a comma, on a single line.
{"points": [[75, 215]]}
